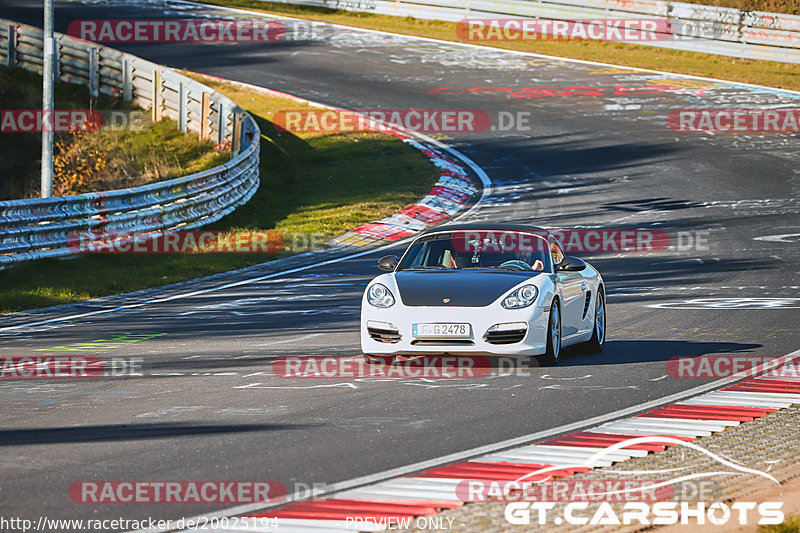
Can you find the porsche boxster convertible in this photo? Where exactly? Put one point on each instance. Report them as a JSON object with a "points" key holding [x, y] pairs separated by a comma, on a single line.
{"points": [[491, 290]]}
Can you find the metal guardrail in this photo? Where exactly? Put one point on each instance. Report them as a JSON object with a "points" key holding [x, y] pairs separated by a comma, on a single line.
{"points": [[38, 228], [698, 28]]}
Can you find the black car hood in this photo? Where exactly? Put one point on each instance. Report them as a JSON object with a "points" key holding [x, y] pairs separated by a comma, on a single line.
{"points": [[464, 288]]}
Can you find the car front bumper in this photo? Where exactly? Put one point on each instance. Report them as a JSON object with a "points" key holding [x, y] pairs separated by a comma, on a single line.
{"points": [[380, 329]]}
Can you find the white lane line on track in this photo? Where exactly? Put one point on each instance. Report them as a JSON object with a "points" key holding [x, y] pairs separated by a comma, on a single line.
{"points": [[385, 476]]}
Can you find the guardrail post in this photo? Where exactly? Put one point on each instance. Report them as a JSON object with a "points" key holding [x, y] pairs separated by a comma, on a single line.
{"points": [[182, 107], [205, 111], [156, 95], [94, 72], [127, 75], [11, 51], [222, 124], [236, 141]]}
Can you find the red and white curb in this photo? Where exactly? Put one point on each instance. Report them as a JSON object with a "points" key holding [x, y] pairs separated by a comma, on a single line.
{"points": [[428, 492], [448, 196]]}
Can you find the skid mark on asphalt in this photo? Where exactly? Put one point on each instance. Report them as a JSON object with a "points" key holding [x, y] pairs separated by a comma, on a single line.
{"points": [[286, 341], [177, 411]]}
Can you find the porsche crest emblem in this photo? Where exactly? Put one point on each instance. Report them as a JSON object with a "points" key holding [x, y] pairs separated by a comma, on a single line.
{"points": [[446, 300]]}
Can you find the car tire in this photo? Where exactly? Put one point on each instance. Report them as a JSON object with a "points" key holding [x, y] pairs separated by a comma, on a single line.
{"points": [[553, 353], [598, 340], [378, 359]]}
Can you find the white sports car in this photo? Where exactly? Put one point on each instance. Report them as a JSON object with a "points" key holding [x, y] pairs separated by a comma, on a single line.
{"points": [[491, 290]]}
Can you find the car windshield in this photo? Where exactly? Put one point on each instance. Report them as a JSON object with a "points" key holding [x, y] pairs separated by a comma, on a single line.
{"points": [[506, 250]]}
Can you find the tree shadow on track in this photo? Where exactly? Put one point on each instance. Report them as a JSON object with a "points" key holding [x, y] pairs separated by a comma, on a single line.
{"points": [[643, 351], [125, 432]]}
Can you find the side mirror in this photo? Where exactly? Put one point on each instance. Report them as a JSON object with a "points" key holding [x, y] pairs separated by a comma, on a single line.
{"points": [[571, 264], [388, 263]]}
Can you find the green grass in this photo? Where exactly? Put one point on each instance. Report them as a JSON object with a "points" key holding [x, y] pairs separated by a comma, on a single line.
{"points": [[769, 73], [791, 7], [310, 182], [158, 153], [790, 525], [320, 182]]}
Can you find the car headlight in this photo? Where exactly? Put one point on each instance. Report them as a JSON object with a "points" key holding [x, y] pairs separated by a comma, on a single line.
{"points": [[522, 297], [379, 296]]}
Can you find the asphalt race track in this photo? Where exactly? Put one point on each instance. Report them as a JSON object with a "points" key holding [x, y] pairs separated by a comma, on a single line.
{"points": [[598, 154]]}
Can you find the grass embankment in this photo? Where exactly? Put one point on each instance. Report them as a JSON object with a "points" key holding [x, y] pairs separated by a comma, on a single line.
{"points": [[310, 182], [92, 161], [790, 525], [791, 7], [770, 73]]}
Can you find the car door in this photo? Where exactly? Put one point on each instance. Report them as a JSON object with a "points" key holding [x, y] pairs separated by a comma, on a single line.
{"points": [[573, 291]]}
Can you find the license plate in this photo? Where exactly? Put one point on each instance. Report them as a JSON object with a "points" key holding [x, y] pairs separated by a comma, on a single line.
{"points": [[441, 330]]}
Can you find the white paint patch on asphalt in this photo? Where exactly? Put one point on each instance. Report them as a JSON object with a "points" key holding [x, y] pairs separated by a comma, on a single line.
{"points": [[785, 237], [730, 303]]}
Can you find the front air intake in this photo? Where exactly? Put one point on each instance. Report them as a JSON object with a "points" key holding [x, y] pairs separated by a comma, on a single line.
{"points": [[506, 333], [384, 335]]}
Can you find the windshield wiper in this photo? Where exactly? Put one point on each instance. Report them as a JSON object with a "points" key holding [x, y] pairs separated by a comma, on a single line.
{"points": [[431, 267]]}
